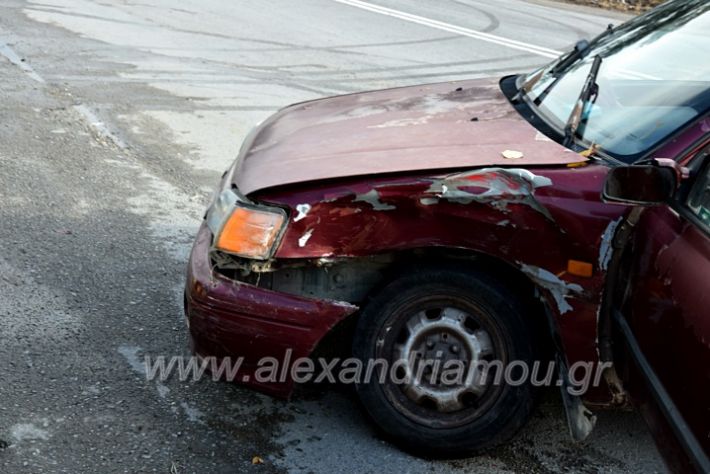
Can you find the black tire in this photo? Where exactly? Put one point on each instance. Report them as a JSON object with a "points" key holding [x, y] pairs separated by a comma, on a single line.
{"points": [[420, 426]]}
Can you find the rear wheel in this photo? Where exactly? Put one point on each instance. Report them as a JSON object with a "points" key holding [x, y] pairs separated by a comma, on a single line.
{"points": [[438, 329]]}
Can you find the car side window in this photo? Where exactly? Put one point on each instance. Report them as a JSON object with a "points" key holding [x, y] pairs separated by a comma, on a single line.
{"points": [[699, 198]]}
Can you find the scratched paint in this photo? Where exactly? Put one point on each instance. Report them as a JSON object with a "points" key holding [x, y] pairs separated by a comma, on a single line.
{"points": [[502, 187], [302, 210], [605, 248], [429, 201], [373, 198], [305, 237], [558, 288]]}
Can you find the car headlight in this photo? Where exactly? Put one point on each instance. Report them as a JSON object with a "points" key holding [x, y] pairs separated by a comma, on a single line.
{"points": [[244, 229]]}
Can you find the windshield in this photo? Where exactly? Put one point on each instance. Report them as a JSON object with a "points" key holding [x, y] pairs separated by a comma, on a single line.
{"points": [[652, 81]]}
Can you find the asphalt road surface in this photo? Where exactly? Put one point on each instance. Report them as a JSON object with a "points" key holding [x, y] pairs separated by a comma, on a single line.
{"points": [[116, 119]]}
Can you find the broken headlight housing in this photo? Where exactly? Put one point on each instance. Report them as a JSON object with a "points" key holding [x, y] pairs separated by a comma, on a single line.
{"points": [[244, 229]]}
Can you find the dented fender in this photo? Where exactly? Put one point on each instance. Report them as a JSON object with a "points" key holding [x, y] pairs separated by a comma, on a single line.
{"points": [[534, 219]]}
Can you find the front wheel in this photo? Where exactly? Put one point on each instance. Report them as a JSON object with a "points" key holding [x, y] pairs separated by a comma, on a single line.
{"points": [[439, 341]]}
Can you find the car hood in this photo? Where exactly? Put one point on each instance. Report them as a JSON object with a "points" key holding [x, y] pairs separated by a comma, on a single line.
{"points": [[450, 125]]}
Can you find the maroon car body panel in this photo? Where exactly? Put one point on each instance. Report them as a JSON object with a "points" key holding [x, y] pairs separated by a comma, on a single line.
{"points": [[403, 169], [667, 309], [680, 146], [536, 230], [563, 221], [232, 319], [491, 206], [461, 124]]}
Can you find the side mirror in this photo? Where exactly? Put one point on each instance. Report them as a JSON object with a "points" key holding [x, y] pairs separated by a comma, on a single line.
{"points": [[641, 185]]}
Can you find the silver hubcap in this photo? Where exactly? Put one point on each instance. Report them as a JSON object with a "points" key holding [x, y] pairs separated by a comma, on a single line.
{"points": [[445, 338]]}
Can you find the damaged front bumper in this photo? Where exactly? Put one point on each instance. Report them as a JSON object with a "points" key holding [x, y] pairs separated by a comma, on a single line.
{"points": [[229, 318]]}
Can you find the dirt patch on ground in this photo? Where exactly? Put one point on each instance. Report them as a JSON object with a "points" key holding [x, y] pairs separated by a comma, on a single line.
{"points": [[623, 5]]}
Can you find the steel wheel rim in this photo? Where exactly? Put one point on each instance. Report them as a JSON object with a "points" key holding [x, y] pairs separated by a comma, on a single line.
{"points": [[438, 324]]}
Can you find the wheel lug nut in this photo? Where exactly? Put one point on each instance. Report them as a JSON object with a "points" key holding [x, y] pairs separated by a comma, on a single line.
{"points": [[455, 349], [430, 344]]}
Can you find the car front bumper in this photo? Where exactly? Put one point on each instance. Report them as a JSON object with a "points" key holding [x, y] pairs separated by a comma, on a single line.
{"points": [[228, 318]]}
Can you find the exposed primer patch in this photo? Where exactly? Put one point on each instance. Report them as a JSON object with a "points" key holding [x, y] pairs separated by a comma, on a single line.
{"points": [[428, 201], [302, 210], [305, 237], [605, 248], [502, 186], [373, 198], [558, 288], [15, 59]]}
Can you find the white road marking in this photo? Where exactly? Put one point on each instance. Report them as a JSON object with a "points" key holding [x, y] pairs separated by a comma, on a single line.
{"points": [[439, 25]]}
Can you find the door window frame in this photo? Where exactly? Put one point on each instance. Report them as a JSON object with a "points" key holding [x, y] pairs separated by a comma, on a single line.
{"points": [[700, 173]]}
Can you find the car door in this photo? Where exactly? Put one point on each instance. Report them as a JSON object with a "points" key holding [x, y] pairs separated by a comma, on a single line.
{"points": [[664, 319]]}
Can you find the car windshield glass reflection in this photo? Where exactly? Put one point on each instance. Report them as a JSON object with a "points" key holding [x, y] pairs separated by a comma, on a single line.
{"points": [[654, 79]]}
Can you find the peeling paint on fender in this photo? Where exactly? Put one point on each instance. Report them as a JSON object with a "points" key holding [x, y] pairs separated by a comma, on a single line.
{"points": [[558, 288], [502, 186], [373, 198], [304, 238], [605, 248], [302, 211], [428, 201]]}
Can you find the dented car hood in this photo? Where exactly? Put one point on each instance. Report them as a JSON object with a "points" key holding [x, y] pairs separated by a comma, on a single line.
{"points": [[450, 125]]}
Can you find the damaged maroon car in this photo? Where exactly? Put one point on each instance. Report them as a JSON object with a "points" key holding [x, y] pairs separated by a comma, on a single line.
{"points": [[558, 216]]}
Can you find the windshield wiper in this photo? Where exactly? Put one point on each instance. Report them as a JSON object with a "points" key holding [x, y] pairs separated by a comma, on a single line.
{"points": [[576, 54], [582, 108], [580, 51]]}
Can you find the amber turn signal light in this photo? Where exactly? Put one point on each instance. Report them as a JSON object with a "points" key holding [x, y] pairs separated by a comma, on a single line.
{"points": [[583, 269], [250, 233]]}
